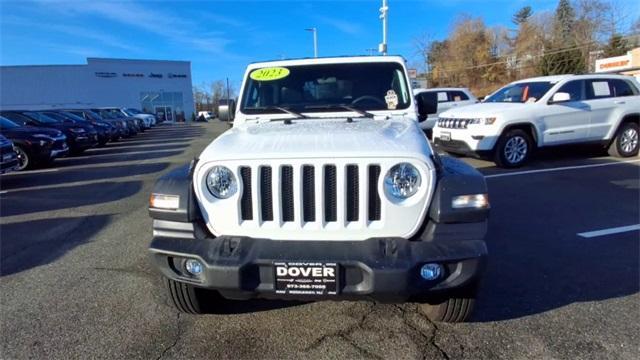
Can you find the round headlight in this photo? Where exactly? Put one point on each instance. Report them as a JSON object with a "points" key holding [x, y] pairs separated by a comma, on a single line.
{"points": [[402, 181], [221, 182]]}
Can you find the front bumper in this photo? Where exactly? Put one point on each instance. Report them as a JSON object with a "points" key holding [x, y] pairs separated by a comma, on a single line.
{"points": [[383, 269], [464, 141]]}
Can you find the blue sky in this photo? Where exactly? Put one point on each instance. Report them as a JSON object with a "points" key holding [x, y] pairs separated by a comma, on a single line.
{"points": [[221, 37]]}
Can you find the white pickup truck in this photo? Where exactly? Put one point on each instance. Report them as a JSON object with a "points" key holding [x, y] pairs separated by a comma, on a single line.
{"points": [[545, 111], [324, 189]]}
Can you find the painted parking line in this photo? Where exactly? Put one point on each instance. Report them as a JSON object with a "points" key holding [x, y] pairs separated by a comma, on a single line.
{"points": [[31, 172], [615, 230], [515, 173]]}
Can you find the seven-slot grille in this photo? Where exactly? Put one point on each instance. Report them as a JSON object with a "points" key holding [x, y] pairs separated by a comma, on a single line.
{"points": [[355, 184], [450, 123]]}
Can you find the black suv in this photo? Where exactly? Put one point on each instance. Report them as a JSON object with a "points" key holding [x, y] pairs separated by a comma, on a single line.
{"points": [[34, 145], [80, 137], [120, 129], [105, 130]]}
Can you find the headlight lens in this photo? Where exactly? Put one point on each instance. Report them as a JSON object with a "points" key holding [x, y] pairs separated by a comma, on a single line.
{"points": [[402, 181], [221, 182]]}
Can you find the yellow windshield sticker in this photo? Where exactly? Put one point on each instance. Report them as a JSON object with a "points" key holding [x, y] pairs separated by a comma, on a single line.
{"points": [[269, 74]]}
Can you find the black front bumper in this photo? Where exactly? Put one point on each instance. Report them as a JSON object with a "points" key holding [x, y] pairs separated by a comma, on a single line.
{"points": [[384, 269], [459, 147]]}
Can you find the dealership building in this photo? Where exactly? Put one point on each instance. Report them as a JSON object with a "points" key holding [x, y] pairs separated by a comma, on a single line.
{"points": [[628, 64], [159, 87]]}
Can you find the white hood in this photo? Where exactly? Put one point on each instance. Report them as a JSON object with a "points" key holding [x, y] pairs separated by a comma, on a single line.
{"points": [[483, 110], [320, 138]]}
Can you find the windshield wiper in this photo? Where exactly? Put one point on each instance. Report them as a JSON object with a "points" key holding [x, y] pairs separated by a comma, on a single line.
{"points": [[343, 107], [280, 108]]}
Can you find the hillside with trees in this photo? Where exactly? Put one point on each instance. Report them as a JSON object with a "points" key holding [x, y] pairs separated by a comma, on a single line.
{"points": [[565, 41]]}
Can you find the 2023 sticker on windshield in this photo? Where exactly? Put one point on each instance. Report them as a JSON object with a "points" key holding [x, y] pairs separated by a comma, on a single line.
{"points": [[269, 74]]}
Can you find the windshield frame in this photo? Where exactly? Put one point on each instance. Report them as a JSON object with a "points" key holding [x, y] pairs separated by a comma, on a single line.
{"points": [[406, 106]]}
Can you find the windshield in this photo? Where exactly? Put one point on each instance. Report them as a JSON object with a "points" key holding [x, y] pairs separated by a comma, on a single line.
{"points": [[132, 112], [304, 88], [7, 124], [521, 92], [57, 116], [42, 118], [105, 114], [72, 116]]}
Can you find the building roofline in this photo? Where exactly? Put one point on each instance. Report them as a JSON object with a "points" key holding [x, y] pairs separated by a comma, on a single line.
{"points": [[137, 60]]}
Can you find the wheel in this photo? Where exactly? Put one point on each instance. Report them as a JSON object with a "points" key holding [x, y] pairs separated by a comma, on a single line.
{"points": [[513, 149], [625, 144], [454, 309], [186, 298], [24, 159]]}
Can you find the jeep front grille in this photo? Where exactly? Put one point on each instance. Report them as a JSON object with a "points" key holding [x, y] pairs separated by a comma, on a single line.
{"points": [[450, 123], [348, 179]]}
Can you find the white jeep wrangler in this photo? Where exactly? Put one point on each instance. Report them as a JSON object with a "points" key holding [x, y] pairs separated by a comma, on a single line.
{"points": [[325, 188], [546, 111]]}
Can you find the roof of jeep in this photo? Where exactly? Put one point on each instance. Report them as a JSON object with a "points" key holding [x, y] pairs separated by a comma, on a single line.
{"points": [[328, 60]]}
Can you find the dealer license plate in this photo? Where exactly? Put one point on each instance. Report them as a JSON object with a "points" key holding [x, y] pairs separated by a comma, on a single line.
{"points": [[306, 278], [445, 136]]}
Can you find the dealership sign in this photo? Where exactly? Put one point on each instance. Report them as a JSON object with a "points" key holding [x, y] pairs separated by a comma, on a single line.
{"points": [[106, 74], [613, 64]]}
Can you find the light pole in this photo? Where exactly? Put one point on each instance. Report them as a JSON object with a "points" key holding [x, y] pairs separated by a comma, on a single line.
{"points": [[383, 16], [315, 40]]}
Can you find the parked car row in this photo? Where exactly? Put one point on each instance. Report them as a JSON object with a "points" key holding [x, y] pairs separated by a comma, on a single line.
{"points": [[510, 124], [33, 138]]}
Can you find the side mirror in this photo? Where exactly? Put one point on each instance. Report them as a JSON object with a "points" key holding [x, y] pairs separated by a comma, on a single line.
{"points": [[560, 97], [427, 104]]}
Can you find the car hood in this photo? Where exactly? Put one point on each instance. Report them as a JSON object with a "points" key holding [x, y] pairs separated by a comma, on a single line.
{"points": [[482, 110], [30, 130], [320, 138]]}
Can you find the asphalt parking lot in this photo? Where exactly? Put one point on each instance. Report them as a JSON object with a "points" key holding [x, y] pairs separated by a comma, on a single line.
{"points": [[76, 281]]}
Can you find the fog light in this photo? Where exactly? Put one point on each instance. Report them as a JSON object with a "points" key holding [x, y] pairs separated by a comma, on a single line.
{"points": [[193, 267], [431, 271]]}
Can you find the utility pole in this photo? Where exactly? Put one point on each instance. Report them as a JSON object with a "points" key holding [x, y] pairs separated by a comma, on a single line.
{"points": [[315, 40], [383, 16]]}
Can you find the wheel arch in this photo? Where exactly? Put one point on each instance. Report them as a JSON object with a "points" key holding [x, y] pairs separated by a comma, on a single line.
{"points": [[626, 118], [525, 126]]}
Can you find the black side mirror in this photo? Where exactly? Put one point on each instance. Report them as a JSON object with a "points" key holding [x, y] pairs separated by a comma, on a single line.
{"points": [[427, 105]]}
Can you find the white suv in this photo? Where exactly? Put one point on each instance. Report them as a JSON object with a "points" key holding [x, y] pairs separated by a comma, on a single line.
{"points": [[448, 98], [545, 111]]}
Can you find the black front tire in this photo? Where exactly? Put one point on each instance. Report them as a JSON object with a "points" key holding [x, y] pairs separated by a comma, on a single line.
{"points": [[25, 160], [186, 298], [513, 149], [456, 308], [625, 143]]}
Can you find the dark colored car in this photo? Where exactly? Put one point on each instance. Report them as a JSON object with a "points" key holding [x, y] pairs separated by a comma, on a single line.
{"points": [[120, 129], [80, 137], [104, 130], [132, 124], [8, 156], [34, 145]]}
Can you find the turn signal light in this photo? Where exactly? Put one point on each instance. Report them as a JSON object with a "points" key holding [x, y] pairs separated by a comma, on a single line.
{"points": [[161, 201], [476, 201]]}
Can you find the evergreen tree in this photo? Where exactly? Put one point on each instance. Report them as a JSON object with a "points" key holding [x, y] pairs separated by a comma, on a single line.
{"points": [[563, 55], [522, 15], [617, 46]]}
